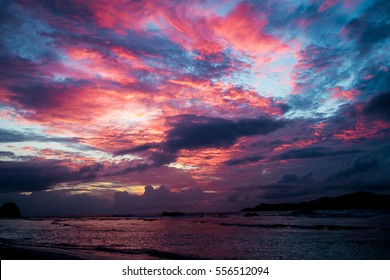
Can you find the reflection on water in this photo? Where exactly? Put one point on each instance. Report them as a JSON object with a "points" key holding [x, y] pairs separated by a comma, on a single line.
{"points": [[273, 235]]}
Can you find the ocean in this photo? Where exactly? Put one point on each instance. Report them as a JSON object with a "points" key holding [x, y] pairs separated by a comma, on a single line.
{"points": [[332, 234]]}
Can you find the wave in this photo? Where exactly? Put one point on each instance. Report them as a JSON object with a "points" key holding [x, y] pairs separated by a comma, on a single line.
{"points": [[151, 252]]}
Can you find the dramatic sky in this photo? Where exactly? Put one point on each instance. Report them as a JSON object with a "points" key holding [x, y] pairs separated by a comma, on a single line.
{"points": [[142, 106]]}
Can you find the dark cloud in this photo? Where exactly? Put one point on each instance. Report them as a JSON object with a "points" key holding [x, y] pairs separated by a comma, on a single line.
{"points": [[33, 95], [193, 132], [284, 193], [88, 171], [21, 177], [133, 168], [162, 157], [64, 11], [7, 136], [278, 192], [284, 107], [20, 35], [372, 27], [36, 176], [304, 12], [289, 179], [277, 142], [295, 179], [312, 153], [243, 160], [379, 106], [156, 158], [11, 136], [139, 148], [37, 95], [58, 203], [360, 164], [7, 154], [33, 89]]}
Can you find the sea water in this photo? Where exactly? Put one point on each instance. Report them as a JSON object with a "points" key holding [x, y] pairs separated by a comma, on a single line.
{"points": [[344, 234]]}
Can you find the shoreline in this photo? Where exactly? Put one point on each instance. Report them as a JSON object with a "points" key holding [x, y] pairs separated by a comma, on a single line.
{"points": [[24, 252]]}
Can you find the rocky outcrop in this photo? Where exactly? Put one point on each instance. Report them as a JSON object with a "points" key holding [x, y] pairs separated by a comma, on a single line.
{"points": [[172, 214], [251, 214], [359, 200], [10, 210]]}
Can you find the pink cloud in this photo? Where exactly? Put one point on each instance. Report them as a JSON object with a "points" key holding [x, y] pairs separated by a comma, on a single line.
{"points": [[327, 5], [346, 94]]}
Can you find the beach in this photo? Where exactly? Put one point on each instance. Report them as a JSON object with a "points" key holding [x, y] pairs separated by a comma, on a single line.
{"points": [[272, 235]]}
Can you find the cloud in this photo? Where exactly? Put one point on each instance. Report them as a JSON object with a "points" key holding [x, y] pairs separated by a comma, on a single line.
{"points": [[328, 4], [284, 107], [314, 73], [8, 136], [295, 179], [372, 27], [27, 177], [244, 160], [159, 199], [36, 175], [7, 154], [254, 194], [58, 203], [315, 152], [379, 106], [139, 148], [11, 136], [193, 94], [193, 132], [360, 164], [380, 185]]}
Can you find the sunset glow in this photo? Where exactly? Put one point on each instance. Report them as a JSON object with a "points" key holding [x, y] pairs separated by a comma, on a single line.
{"points": [[141, 106]]}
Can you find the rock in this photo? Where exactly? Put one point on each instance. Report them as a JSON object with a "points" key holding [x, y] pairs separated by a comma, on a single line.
{"points": [[251, 214], [303, 211], [172, 214], [10, 210], [149, 220]]}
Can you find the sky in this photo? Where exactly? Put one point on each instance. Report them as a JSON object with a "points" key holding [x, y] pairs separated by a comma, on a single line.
{"points": [[123, 106]]}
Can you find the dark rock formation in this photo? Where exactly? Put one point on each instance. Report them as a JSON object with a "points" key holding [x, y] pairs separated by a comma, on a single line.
{"points": [[251, 214], [172, 214], [303, 212], [359, 200], [10, 210]]}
